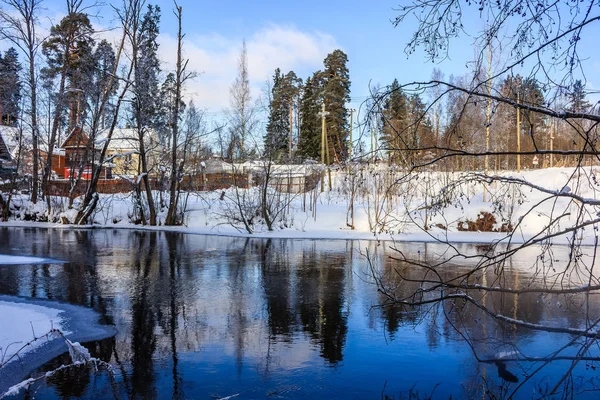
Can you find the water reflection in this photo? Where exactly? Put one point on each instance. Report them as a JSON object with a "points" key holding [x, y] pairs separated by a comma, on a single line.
{"points": [[207, 316]]}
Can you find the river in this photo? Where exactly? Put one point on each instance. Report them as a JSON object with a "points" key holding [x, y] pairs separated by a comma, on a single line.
{"points": [[211, 317]]}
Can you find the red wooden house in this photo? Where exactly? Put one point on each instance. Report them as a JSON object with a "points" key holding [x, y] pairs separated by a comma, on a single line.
{"points": [[80, 150]]}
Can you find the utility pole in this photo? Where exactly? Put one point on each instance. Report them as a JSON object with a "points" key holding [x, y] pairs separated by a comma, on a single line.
{"points": [[324, 144], [290, 144], [374, 144], [518, 133], [350, 146]]}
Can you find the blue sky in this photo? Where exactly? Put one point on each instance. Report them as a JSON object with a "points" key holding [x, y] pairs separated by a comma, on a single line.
{"points": [[292, 35], [298, 36]]}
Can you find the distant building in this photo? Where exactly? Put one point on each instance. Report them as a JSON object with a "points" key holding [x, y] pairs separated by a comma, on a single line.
{"points": [[7, 156], [123, 151], [80, 154]]}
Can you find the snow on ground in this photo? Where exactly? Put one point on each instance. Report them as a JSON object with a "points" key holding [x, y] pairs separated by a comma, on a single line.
{"points": [[437, 199], [27, 318], [26, 322]]}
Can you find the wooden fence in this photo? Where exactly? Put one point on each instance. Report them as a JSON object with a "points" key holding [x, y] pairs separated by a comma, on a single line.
{"points": [[208, 182]]}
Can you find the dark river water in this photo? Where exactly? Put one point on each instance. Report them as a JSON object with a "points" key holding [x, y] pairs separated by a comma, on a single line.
{"points": [[206, 317]]}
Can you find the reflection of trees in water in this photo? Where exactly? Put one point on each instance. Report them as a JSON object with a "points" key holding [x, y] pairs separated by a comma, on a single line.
{"points": [[319, 287], [276, 281], [74, 382], [499, 307], [143, 340], [76, 281]]}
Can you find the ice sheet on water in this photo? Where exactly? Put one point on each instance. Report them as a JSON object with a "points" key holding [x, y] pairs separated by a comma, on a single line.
{"points": [[6, 259]]}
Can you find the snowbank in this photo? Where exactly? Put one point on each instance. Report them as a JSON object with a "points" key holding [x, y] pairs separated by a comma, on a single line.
{"points": [[27, 321], [438, 200]]}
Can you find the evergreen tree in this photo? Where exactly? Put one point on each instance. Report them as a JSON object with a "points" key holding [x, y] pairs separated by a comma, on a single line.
{"points": [[279, 122], [164, 117], [104, 60], [69, 56], [145, 100], [309, 143], [420, 129], [528, 92], [147, 70], [336, 93], [10, 87], [394, 124], [577, 101], [283, 94]]}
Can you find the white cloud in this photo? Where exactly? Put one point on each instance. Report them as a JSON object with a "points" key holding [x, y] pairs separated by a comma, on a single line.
{"points": [[214, 57]]}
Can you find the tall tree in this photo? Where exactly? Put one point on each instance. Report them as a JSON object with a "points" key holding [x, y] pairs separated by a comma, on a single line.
{"points": [[241, 113], [528, 92], [145, 91], [68, 52], [10, 87], [104, 61], [18, 25], [178, 155], [166, 110], [394, 124], [278, 138], [309, 141], [336, 94], [576, 98], [420, 128], [278, 125], [90, 200]]}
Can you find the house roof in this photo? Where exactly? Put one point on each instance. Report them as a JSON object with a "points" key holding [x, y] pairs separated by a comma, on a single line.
{"points": [[77, 138], [4, 151], [126, 139], [9, 139]]}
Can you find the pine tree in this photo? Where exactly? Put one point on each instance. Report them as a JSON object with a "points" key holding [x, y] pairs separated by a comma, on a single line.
{"points": [[309, 143], [104, 60], [394, 124], [147, 70], [283, 95], [69, 58], [10, 87], [336, 92], [278, 125], [577, 101], [420, 130], [166, 110]]}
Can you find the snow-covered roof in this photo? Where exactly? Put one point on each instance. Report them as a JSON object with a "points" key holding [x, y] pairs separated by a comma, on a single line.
{"points": [[216, 165], [125, 139], [278, 169], [9, 135]]}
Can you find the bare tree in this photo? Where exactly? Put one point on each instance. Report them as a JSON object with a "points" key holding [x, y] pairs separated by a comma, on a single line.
{"points": [[242, 119], [178, 157], [18, 23], [90, 200], [462, 284]]}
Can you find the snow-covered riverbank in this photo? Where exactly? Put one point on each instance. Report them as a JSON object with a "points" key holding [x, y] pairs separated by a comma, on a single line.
{"points": [[27, 322], [443, 202], [34, 318]]}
